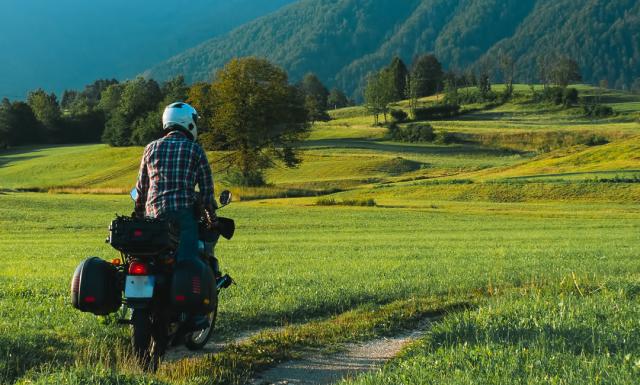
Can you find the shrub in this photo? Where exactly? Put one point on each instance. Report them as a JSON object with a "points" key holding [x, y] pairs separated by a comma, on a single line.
{"points": [[596, 140], [445, 137], [597, 110], [326, 202], [399, 116], [438, 111], [569, 97], [254, 179], [412, 133]]}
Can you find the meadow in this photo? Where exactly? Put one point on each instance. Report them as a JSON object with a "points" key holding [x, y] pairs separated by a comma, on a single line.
{"points": [[530, 256]]}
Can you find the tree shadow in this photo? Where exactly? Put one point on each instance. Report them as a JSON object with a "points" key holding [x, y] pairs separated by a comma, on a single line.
{"points": [[392, 147]]}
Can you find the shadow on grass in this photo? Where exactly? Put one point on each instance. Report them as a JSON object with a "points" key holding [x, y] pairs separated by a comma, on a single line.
{"points": [[22, 353], [393, 147]]}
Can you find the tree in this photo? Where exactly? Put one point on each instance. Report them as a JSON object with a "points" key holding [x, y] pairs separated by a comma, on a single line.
{"points": [[68, 98], [139, 97], [47, 111], [451, 91], [110, 99], [635, 87], [484, 86], [260, 116], [428, 73], [399, 72], [565, 71], [379, 93], [508, 69], [337, 99], [316, 95], [18, 124], [174, 90]]}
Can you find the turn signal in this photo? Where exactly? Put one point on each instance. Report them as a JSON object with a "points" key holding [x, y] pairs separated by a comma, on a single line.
{"points": [[116, 262], [138, 268]]}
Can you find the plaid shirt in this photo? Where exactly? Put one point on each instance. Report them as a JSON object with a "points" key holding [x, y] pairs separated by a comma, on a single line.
{"points": [[170, 169]]}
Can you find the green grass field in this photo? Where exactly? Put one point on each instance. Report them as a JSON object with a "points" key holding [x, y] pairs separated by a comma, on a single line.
{"points": [[523, 237]]}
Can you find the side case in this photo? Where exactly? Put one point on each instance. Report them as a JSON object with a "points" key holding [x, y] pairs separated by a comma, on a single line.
{"points": [[95, 288], [193, 288]]}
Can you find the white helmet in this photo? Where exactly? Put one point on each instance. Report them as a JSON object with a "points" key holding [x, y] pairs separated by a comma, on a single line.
{"points": [[182, 115]]}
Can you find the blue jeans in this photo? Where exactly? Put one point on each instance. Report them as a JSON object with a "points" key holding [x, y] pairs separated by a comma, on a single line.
{"points": [[186, 221]]}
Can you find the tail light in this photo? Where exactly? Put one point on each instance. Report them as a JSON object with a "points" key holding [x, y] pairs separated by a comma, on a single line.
{"points": [[138, 268]]}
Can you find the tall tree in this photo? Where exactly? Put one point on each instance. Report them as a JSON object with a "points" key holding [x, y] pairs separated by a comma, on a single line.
{"points": [[46, 109], [18, 124], [379, 93], [337, 99], [484, 86], [565, 71], [428, 73], [508, 69], [261, 116], [316, 95], [399, 72]]}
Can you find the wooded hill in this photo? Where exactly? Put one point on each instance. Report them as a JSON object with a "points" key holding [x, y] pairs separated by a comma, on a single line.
{"points": [[343, 40]]}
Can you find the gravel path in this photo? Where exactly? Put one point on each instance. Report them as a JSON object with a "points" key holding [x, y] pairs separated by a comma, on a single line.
{"points": [[319, 369]]}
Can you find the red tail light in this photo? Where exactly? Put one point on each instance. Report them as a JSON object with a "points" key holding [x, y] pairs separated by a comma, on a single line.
{"points": [[89, 299], [180, 298], [138, 268]]}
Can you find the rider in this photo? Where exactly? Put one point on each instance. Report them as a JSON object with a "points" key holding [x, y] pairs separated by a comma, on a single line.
{"points": [[169, 171]]}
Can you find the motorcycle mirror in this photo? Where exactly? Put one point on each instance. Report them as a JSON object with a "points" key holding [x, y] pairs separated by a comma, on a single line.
{"points": [[225, 197], [134, 194]]}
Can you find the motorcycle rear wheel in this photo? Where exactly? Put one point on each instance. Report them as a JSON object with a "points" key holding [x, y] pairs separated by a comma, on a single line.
{"points": [[145, 348]]}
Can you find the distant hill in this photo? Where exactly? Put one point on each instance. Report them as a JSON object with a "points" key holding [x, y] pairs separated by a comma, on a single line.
{"points": [[342, 40], [69, 43]]}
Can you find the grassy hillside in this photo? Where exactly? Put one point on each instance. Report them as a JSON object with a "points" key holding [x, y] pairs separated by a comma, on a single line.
{"points": [[520, 237], [512, 140]]}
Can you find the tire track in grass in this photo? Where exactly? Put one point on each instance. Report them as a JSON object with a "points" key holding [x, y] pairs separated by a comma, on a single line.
{"points": [[239, 363], [322, 369]]}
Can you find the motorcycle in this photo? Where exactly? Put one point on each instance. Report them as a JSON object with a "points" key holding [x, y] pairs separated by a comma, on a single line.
{"points": [[159, 293]]}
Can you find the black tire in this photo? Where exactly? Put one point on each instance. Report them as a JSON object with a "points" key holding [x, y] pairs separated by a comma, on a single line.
{"points": [[198, 340], [145, 348]]}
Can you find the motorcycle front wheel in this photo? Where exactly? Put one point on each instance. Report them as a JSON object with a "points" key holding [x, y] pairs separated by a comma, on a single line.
{"points": [[198, 340]]}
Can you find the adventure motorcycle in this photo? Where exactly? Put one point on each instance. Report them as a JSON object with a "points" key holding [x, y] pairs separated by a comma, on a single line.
{"points": [[164, 296]]}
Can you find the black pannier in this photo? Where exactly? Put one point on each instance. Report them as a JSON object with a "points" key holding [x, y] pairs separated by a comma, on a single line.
{"points": [[95, 287], [142, 236], [193, 288]]}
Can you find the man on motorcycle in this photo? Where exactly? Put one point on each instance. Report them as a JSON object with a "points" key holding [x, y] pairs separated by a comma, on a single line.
{"points": [[169, 171]]}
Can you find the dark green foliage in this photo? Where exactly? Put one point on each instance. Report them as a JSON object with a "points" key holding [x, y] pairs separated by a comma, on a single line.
{"points": [[47, 111], [597, 110], [337, 99], [438, 111], [484, 86], [559, 96], [596, 140], [379, 93], [399, 116], [343, 40], [412, 133], [565, 71], [400, 73], [569, 97], [427, 71], [253, 178], [258, 115], [316, 97], [18, 124]]}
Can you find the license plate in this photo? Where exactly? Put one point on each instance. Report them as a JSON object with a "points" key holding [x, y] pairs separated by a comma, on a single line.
{"points": [[139, 286]]}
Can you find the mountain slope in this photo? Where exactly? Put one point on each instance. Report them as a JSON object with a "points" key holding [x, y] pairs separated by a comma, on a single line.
{"points": [[69, 43], [343, 40]]}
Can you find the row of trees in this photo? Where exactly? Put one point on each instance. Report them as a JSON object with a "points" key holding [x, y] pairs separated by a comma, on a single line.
{"points": [[127, 113], [427, 77]]}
